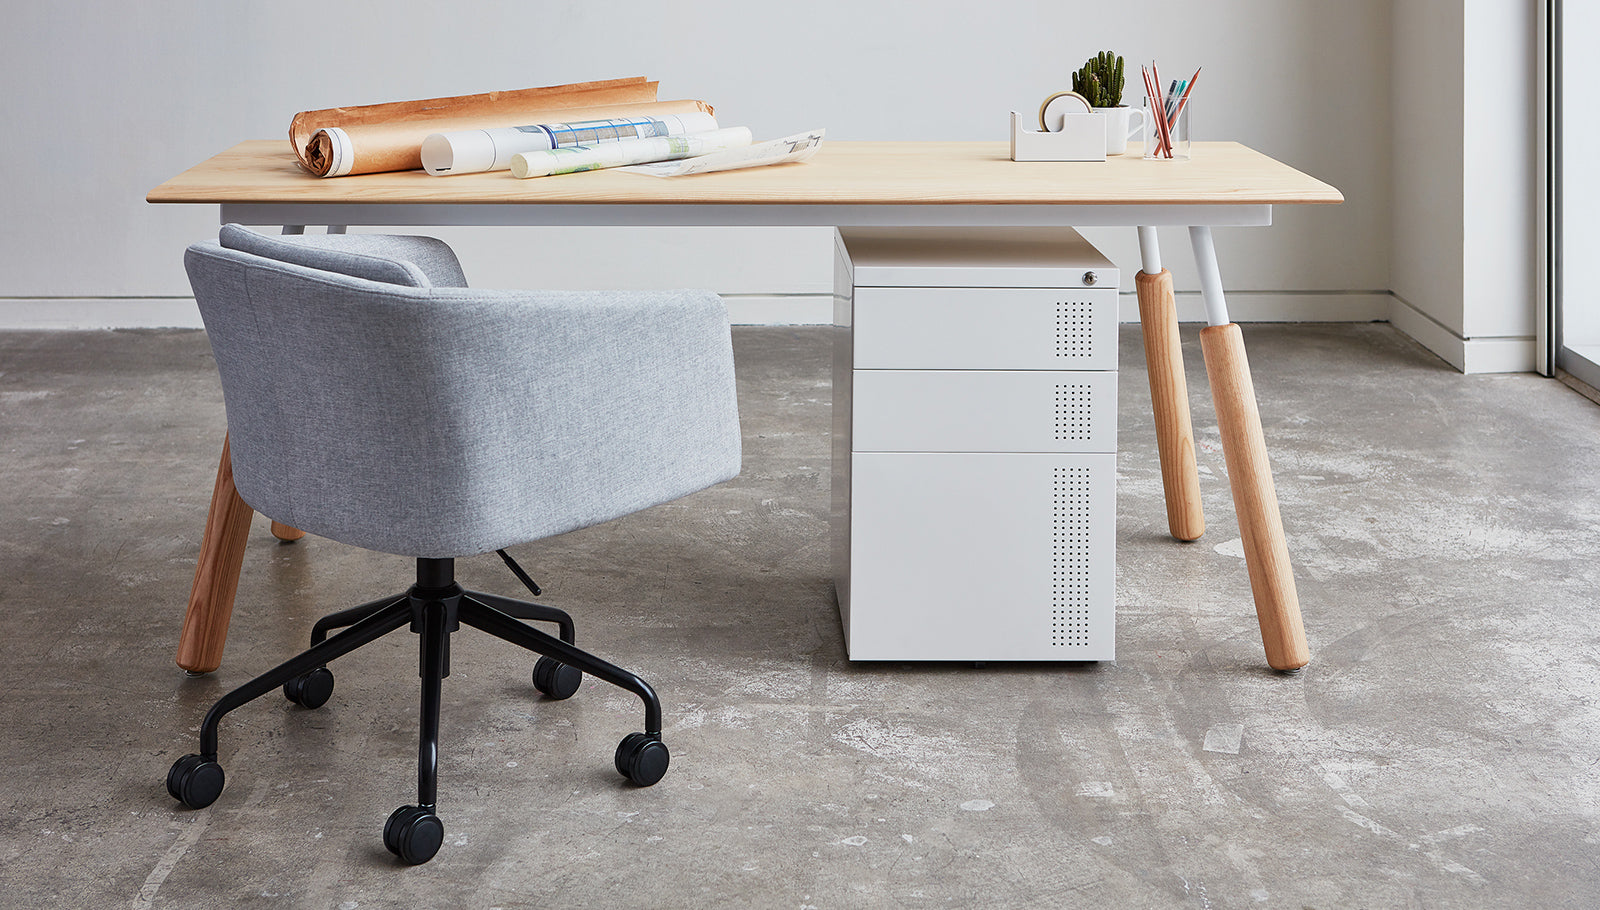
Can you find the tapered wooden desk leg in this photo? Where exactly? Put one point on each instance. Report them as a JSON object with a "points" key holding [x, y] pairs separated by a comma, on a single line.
{"points": [[285, 532], [1169, 398], [1255, 500], [216, 574]]}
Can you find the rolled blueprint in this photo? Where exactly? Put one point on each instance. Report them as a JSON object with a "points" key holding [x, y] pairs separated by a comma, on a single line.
{"points": [[571, 159], [476, 151]]}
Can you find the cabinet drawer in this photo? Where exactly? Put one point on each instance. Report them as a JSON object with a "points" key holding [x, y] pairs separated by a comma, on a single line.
{"points": [[985, 328], [983, 411], [981, 557]]}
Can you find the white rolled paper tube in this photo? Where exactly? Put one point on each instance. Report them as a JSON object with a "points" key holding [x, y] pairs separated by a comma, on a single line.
{"points": [[341, 151], [463, 152], [476, 151], [624, 152]]}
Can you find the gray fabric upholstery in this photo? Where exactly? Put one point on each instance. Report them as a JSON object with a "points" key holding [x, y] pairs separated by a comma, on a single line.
{"points": [[440, 422], [391, 258]]}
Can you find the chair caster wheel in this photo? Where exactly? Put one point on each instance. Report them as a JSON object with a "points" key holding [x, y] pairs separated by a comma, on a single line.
{"points": [[413, 834], [310, 689], [555, 679], [195, 782], [642, 758]]}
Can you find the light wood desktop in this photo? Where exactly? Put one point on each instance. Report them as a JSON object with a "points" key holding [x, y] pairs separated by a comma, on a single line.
{"points": [[846, 184]]}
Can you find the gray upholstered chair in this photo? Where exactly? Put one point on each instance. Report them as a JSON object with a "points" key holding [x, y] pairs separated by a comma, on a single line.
{"points": [[373, 399]]}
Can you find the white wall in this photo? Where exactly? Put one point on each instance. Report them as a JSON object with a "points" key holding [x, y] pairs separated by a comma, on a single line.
{"points": [[1499, 145], [108, 99], [1425, 270], [1463, 209]]}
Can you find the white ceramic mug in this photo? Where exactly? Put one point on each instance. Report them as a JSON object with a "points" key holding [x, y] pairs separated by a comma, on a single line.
{"points": [[1122, 122]]}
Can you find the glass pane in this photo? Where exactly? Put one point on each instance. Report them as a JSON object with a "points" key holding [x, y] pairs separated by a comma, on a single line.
{"points": [[1577, 187]]}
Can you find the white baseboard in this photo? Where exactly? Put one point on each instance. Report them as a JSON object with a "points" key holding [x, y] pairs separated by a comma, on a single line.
{"points": [[1501, 355], [19, 313], [1470, 355], [1444, 343], [779, 309], [1275, 306], [1493, 354], [62, 313]]}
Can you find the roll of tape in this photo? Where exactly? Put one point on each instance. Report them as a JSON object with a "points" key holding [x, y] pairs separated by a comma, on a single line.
{"points": [[1058, 104]]}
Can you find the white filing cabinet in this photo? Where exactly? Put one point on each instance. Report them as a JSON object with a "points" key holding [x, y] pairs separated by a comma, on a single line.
{"points": [[975, 437]]}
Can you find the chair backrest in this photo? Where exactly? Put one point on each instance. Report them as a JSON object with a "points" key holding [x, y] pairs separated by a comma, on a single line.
{"points": [[418, 262], [441, 422]]}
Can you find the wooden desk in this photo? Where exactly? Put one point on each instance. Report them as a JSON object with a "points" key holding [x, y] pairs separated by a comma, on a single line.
{"points": [[847, 184]]}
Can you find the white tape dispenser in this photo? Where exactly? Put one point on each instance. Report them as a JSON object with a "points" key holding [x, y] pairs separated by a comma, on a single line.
{"points": [[1068, 131]]}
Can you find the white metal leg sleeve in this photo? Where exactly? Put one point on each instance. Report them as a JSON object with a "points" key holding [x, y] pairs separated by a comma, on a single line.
{"points": [[1149, 251], [1205, 257]]}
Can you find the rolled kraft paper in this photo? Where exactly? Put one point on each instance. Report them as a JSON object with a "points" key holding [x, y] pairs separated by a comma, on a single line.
{"points": [[387, 137], [317, 159], [398, 146]]}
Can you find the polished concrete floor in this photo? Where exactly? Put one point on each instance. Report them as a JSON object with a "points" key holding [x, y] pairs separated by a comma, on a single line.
{"points": [[1441, 750]]}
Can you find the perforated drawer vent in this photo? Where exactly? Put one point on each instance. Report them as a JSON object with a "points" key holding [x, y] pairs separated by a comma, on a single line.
{"points": [[1074, 328], [1074, 412], [1069, 542]]}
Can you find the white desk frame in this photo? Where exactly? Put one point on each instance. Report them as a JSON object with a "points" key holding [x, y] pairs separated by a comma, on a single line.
{"points": [[1200, 219]]}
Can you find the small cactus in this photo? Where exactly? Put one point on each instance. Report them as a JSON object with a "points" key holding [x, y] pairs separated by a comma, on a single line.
{"points": [[1100, 80]]}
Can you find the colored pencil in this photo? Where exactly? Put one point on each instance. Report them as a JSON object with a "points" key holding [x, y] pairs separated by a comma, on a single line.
{"points": [[1144, 71], [1163, 137], [1166, 122], [1184, 101]]}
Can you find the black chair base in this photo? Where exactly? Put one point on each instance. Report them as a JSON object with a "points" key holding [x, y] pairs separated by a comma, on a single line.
{"points": [[434, 607]]}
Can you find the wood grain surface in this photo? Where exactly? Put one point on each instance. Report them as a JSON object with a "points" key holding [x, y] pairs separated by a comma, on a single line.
{"points": [[1169, 400], [842, 173], [1255, 500]]}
